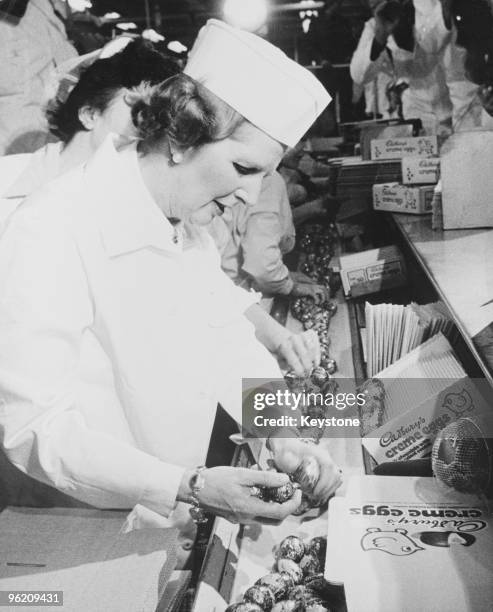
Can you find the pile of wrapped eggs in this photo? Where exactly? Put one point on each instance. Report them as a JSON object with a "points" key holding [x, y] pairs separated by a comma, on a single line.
{"points": [[317, 317], [317, 243], [296, 583]]}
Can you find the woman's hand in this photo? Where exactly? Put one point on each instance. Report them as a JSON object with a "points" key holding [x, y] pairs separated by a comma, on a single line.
{"points": [[302, 278], [228, 493], [288, 453], [318, 292], [301, 352]]}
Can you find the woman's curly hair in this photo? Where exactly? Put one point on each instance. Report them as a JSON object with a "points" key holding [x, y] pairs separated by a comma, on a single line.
{"points": [[182, 110], [98, 85]]}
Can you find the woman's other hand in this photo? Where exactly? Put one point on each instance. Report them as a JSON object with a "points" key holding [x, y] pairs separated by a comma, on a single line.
{"points": [[301, 352], [318, 292], [228, 492], [288, 454], [302, 278]]}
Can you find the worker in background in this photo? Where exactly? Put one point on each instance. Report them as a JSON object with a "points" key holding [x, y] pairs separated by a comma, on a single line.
{"points": [[33, 41], [473, 20], [89, 103], [410, 40], [253, 239]]}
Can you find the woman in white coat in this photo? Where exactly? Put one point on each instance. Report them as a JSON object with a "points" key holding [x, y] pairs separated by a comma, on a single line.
{"points": [[422, 52], [89, 104], [112, 250]]}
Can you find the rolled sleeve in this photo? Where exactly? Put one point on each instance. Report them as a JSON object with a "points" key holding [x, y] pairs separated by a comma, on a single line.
{"points": [[262, 257], [45, 306]]}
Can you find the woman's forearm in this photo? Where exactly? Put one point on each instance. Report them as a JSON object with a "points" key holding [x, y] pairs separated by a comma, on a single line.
{"points": [[267, 330]]}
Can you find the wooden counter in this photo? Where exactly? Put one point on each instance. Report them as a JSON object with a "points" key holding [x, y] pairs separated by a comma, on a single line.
{"points": [[459, 264]]}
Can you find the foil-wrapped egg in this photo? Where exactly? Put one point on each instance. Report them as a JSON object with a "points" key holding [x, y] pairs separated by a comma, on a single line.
{"points": [[319, 376], [318, 585], [331, 308], [288, 580], [304, 595], [244, 606], [290, 567], [291, 548], [331, 366], [318, 547], [257, 492], [298, 593], [261, 595], [307, 474], [280, 494], [276, 583], [287, 606], [316, 607], [310, 565]]}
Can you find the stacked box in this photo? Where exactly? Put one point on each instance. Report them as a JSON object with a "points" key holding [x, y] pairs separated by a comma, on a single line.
{"points": [[420, 171], [397, 148], [394, 197]]}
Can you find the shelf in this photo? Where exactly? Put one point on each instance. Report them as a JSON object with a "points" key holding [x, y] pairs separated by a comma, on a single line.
{"points": [[459, 265]]}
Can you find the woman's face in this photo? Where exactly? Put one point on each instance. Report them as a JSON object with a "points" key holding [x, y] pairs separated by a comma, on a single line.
{"points": [[222, 174], [114, 119]]}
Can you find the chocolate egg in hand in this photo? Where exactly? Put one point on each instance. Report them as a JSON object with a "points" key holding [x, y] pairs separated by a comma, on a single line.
{"points": [[280, 494], [307, 474]]}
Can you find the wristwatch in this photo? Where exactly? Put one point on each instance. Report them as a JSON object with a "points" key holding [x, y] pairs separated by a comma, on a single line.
{"points": [[196, 484]]}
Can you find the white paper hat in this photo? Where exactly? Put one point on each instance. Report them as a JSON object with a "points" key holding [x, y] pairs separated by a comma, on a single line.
{"points": [[258, 80]]}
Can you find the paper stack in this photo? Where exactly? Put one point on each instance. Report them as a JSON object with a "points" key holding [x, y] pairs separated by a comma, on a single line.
{"points": [[402, 543], [393, 330]]}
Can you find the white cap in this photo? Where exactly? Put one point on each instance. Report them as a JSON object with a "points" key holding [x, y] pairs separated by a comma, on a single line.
{"points": [[258, 80]]}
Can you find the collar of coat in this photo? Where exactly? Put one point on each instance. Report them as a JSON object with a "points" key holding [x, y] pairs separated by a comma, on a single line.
{"points": [[129, 217]]}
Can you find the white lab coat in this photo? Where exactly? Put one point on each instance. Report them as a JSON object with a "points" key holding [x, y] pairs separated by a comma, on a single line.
{"points": [[439, 92], [23, 173], [256, 238], [91, 259], [30, 49]]}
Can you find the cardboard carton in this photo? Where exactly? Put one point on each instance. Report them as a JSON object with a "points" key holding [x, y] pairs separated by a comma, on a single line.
{"points": [[420, 171], [398, 148], [393, 197]]}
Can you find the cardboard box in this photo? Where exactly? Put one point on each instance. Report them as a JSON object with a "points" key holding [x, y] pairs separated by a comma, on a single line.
{"points": [[407, 543], [467, 180], [419, 171], [372, 271], [394, 197], [398, 148]]}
